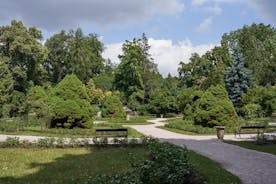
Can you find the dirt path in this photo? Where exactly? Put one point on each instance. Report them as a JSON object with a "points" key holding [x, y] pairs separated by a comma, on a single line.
{"points": [[251, 166]]}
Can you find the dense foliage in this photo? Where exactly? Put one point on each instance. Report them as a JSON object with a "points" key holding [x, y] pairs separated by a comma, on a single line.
{"points": [[69, 103], [168, 164], [238, 78], [215, 108], [33, 78], [112, 106]]}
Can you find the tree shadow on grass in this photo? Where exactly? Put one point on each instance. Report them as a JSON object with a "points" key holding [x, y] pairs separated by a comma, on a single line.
{"points": [[78, 168]]}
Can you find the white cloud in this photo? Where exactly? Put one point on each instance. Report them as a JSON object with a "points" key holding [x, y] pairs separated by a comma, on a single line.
{"points": [[53, 15], [165, 53], [264, 8], [205, 26], [198, 2], [214, 9]]}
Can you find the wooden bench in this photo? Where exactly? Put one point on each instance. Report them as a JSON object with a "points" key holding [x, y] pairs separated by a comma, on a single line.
{"points": [[252, 127], [111, 132]]}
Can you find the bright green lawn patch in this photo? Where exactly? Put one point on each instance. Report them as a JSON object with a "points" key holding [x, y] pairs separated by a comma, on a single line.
{"points": [[59, 166], [67, 133], [268, 148], [177, 130], [188, 126], [139, 120], [211, 171]]}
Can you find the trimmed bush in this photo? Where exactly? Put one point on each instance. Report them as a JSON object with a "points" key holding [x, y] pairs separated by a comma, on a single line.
{"points": [[113, 107], [69, 104], [215, 108]]}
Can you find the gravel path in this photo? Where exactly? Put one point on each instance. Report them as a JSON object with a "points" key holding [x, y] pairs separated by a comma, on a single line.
{"points": [[252, 167]]}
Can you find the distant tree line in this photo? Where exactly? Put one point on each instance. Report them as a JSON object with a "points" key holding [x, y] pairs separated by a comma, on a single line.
{"points": [[66, 80]]}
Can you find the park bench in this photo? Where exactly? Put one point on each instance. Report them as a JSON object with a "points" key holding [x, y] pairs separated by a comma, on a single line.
{"points": [[251, 129], [111, 132]]}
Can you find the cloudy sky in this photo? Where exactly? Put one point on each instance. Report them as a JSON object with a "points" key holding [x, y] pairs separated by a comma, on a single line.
{"points": [[175, 28]]}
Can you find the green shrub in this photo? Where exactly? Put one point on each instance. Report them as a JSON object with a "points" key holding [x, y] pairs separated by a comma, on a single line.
{"points": [[189, 126], [46, 142], [161, 102], [167, 164], [215, 108], [252, 111], [124, 178], [113, 107], [60, 142], [11, 141], [74, 143], [69, 103], [37, 101]]}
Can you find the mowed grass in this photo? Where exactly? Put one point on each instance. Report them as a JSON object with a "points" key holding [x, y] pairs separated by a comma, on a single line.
{"points": [[211, 171], [134, 120], [270, 147], [58, 166], [37, 128], [67, 133]]}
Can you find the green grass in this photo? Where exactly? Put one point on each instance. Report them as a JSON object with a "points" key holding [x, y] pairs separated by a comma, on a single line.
{"points": [[58, 166], [268, 148], [18, 126], [67, 133], [177, 130], [211, 171], [188, 126], [141, 120]]}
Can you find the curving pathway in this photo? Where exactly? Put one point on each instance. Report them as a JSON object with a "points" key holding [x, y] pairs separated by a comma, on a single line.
{"points": [[252, 167]]}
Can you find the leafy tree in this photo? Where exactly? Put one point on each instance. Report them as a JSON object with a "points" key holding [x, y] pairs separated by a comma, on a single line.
{"points": [[215, 108], [37, 101], [69, 103], [6, 84], [257, 43], [135, 101], [96, 95], [262, 96], [186, 100], [74, 53], [25, 54], [172, 84], [137, 70], [112, 106], [128, 75], [104, 81], [149, 71], [162, 102], [237, 78], [17, 107]]}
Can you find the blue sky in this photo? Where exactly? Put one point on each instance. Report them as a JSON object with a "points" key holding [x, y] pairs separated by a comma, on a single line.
{"points": [[176, 28]]}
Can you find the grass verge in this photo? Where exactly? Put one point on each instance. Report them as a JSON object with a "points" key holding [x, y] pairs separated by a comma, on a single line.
{"points": [[211, 171], [267, 148], [58, 166], [67, 133]]}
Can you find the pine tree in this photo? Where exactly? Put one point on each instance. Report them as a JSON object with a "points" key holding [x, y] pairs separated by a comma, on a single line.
{"points": [[237, 77]]}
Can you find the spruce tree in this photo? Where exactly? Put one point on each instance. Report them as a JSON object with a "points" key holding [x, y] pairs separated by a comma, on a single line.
{"points": [[237, 77]]}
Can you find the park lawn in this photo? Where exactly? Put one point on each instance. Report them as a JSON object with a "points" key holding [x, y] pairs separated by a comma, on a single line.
{"points": [[270, 147], [76, 165], [139, 120], [58, 166], [177, 130], [67, 133], [211, 171]]}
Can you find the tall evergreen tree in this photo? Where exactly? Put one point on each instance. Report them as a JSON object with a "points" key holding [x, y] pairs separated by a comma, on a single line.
{"points": [[237, 77]]}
